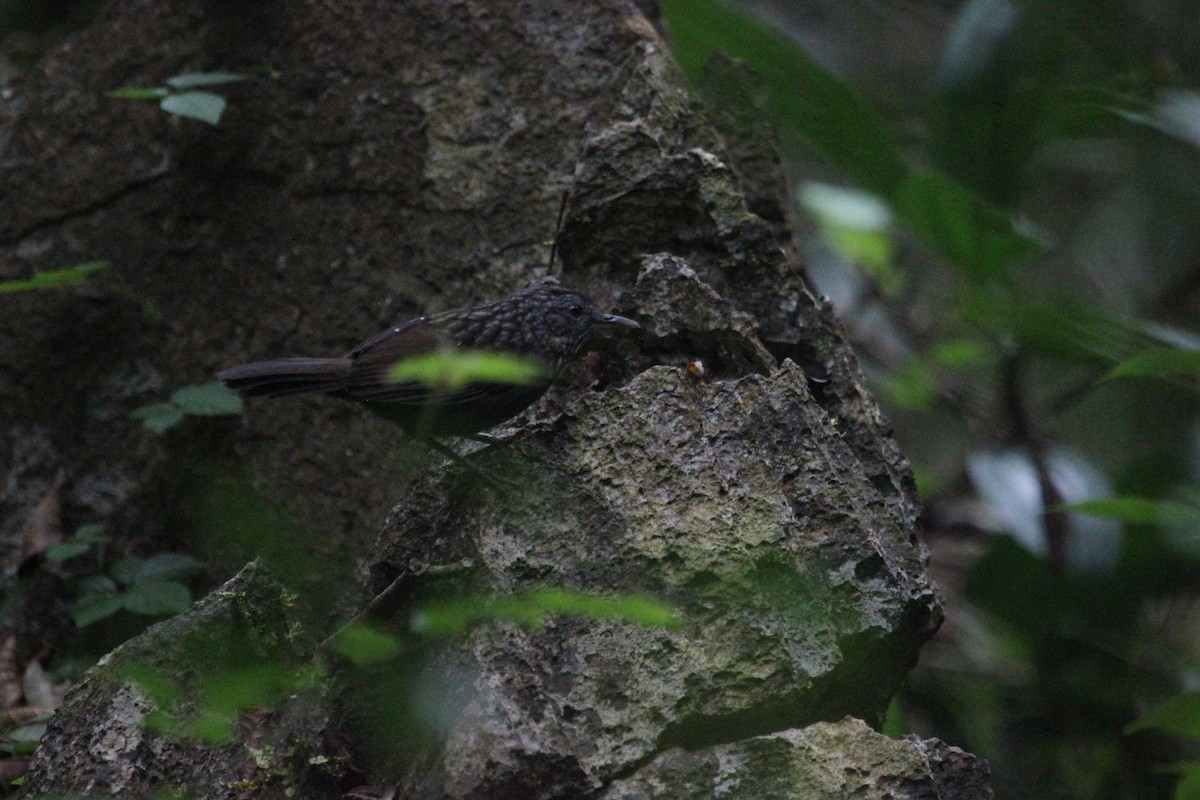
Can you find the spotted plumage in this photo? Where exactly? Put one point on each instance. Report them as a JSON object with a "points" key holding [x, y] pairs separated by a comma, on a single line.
{"points": [[547, 322]]}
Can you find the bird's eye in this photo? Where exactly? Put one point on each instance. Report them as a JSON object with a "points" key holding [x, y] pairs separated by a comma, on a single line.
{"points": [[576, 311]]}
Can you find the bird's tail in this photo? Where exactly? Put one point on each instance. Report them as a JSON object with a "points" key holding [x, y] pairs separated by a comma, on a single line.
{"points": [[285, 377]]}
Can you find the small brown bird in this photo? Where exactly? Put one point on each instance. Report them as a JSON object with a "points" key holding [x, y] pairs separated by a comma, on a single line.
{"points": [[546, 322]]}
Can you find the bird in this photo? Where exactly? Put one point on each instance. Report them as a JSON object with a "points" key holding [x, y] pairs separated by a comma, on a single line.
{"points": [[546, 323]]}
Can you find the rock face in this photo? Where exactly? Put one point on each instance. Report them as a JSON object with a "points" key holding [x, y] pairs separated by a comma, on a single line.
{"points": [[389, 159], [825, 761], [801, 599]]}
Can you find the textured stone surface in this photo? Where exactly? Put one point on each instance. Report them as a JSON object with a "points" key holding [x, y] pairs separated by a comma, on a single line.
{"points": [[389, 159], [825, 761], [802, 599], [98, 744]]}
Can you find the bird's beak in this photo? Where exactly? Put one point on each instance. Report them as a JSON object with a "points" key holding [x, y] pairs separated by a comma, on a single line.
{"points": [[613, 319]]}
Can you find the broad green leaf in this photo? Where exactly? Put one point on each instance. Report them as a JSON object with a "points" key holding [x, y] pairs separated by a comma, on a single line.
{"points": [[65, 550], [1161, 362], [448, 370], [530, 610], [804, 98], [137, 93], [208, 400], [59, 277], [194, 80], [127, 570], [364, 645], [204, 106], [1178, 715], [167, 566], [94, 607], [158, 417], [156, 598], [974, 236]]}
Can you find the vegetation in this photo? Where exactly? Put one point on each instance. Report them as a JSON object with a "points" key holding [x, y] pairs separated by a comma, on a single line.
{"points": [[1018, 270]]}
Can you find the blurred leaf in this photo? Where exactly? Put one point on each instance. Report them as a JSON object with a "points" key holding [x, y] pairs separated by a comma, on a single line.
{"points": [[162, 690], [227, 693], [1158, 363], [1177, 114], [1178, 715], [126, 570], [166, 566], [959, 353], [449, 370], [363, 645], [60, 277], [91, 532], [97, 584], [977, 41], [208, 400], [69, 549], [204, 106], [158, 417], [974, 236], [94, 607], [530, 609], [1188, 787], [858, 225], [155, 598], [805, 99], [912, 387], [1139, 511], [193, 80], [137, 93]]}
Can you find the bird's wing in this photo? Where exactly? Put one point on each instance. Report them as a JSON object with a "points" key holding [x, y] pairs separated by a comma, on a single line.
{"points": [[367, 380]]}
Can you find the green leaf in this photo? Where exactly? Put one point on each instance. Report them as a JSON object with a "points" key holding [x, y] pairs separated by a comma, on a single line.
{"points": [[974, 236], [137, 93], [66, 550], [1188, 787], [97, 584], [959, 353], [913, 387], [162, 690], [91, 532], [448, 370], [167, 566], [154, 598], [204, 106], [531, 608], [60, 277], [127, 570], [193, 80], [364, 645], [1137, 510], [1159, 362], [858, 225], [804, 98], [1178, 715], [838, 122], [94, 607], [158, 417], [208, 400]]}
